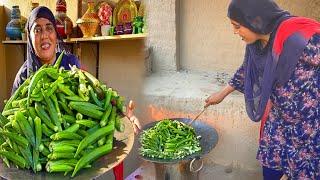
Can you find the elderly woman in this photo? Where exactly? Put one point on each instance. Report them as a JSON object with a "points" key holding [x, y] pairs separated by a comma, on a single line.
{"points": [[280, 81], [44, 47]]}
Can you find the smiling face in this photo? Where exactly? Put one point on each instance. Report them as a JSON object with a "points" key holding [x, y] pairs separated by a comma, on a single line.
{"points": [[246, 34], [44, 40]]}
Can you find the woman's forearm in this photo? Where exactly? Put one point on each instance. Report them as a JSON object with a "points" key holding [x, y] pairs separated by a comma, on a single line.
{"points": [[226, 90]]}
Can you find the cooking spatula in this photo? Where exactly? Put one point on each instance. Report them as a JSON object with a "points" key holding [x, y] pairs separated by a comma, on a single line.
{"points": [[198, 115]]}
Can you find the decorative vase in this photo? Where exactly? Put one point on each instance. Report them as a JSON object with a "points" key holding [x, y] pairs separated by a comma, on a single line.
{"points": [[89, 22], [64, 23], [13, 28], [105, 30]]}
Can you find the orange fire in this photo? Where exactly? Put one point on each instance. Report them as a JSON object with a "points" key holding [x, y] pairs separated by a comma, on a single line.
{"points": [[158, 113]]}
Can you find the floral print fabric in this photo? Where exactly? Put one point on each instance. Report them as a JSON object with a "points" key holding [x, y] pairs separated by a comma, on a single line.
{"points": [[291, 136]]}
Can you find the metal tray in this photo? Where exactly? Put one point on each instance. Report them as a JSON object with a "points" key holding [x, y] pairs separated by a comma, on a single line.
{"points": [[209, 139], [122, 146]]}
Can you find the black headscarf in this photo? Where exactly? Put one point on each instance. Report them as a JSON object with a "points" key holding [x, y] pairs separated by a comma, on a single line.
{"points": [[260, 16]]}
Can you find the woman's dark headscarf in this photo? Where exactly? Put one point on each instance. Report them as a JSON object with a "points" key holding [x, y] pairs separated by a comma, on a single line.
{"points": [[260, 16], [267, 67]]}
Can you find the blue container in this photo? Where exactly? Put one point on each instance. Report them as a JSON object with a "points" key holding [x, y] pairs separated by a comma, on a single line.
{"points": [[13, 33], [13, 28]]}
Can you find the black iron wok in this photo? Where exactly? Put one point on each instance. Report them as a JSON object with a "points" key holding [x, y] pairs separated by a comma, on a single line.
{"points": [[209, 139]]}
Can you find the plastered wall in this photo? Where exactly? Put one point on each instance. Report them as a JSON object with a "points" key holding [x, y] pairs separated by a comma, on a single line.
{"points": [[203, 32], [162, 34], [308, 8], [207, 40]]}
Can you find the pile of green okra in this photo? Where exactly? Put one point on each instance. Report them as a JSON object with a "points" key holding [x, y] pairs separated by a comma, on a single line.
{"points": [[60, 120], [169, 139]]}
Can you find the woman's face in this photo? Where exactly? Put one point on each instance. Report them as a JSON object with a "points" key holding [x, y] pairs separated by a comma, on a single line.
{"points": [[246, 34], [44, 40]]}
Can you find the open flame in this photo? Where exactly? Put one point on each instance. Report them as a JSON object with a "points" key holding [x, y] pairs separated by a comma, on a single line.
{"points": [[159, 113]]}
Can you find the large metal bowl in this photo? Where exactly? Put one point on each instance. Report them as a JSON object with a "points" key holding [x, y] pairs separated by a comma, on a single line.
{"points": [[122, 146], [209, 139]]}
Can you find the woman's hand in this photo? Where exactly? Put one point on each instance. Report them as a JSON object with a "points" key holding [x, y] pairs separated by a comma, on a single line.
{"points": [[213, 99], [216, 98], [133, 118]]}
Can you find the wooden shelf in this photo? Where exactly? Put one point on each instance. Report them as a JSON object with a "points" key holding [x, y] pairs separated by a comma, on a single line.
{"points": [[14, 42], [24, 42], [97, 38], [109, 38]]}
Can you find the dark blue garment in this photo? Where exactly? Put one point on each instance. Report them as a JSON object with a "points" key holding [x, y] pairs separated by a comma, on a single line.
{"points": [[271, 174], [69, 60]]}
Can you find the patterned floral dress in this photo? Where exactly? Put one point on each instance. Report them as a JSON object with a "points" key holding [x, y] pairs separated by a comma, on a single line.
{"points": [[291, 135]]}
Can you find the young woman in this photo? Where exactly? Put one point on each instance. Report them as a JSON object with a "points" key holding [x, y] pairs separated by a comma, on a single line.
{"points": [[280, 81]]}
